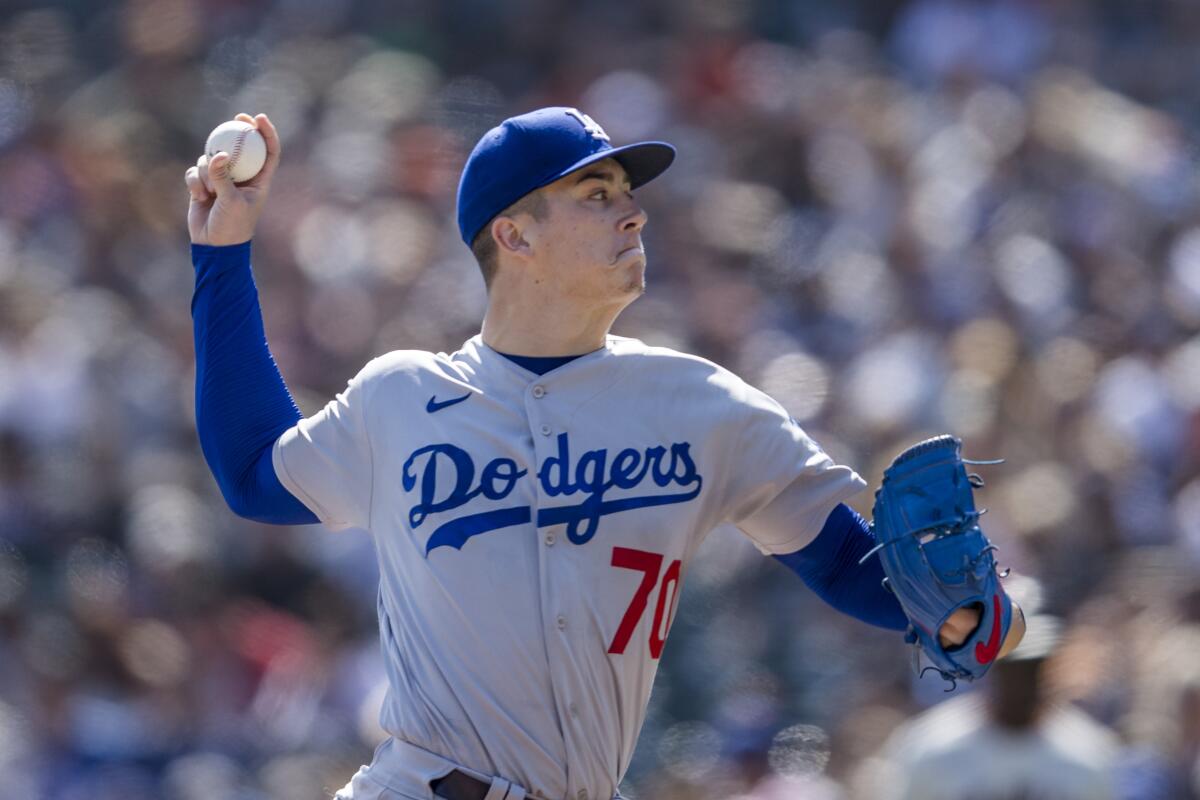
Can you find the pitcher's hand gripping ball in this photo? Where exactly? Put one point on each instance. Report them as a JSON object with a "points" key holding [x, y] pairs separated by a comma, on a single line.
{"points": [[937, 559], [246, 147]]}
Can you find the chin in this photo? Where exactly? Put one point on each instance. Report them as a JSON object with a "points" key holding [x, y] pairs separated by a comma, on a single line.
{"points": [[632, 292], [636, 285]]}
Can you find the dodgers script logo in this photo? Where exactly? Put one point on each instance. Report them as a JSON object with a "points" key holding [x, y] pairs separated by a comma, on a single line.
{"points": [[593, 475]]}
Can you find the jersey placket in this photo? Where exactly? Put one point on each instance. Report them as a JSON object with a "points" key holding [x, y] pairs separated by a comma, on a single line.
{"points": [[554, 620], [548, 415]]}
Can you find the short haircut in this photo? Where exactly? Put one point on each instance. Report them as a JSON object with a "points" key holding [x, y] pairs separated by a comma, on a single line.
{"points": [[483, 246]]}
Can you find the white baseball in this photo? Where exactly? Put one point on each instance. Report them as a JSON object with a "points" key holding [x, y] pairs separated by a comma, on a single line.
{"points": [[246, 147]]}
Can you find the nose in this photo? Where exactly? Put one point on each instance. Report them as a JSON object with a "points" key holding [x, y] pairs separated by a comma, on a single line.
{"points": [[635, 219]]}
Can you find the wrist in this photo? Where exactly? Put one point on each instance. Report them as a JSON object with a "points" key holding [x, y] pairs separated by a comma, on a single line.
{"points": [[1016, 630], [204, 247], [210, 259]]}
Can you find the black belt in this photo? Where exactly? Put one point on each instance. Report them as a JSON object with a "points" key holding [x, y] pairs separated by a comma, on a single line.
{"points": [[459, 786]]}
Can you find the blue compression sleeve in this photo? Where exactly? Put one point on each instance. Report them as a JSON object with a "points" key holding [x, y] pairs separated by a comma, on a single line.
{"points": [[829, 566], [242, 403]]}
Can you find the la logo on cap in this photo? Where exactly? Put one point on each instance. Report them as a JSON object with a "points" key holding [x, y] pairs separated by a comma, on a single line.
{"points": [[590, 125]]}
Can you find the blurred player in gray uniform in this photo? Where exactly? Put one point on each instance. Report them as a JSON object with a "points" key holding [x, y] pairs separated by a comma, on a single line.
{"points": [[1008, 742], [536, 497]]}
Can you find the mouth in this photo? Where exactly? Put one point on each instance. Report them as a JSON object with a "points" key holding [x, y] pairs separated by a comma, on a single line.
{"points": [[636, 249]]}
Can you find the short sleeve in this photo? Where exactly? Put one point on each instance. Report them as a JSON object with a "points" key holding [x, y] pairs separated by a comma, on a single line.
{"points": [[325, 460], [781, 485]]}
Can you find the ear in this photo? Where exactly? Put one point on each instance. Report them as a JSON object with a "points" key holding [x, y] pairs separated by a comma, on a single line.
{"points": [[509, 236]]}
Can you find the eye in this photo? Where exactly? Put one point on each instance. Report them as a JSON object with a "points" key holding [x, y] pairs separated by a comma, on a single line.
{"points": [[599, 194]]}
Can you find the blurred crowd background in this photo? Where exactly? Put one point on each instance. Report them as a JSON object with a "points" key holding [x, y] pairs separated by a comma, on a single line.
{"points": [[898, 218]]}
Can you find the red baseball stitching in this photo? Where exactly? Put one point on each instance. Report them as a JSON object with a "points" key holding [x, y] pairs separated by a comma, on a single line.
{"points": [[237, 150]]}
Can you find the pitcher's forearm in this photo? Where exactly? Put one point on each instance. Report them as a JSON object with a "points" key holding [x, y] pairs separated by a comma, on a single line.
{"points": [[242, 402], [831, 566]]}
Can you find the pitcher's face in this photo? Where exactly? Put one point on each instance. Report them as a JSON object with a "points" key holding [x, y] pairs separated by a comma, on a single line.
{"points": [[589, 243]]}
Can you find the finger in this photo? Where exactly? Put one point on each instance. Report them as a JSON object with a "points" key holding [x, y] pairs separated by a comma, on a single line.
{"points": [[951, 635], [218, 174], [274, 147], [244, 117], [196, 186], [202, 173]]}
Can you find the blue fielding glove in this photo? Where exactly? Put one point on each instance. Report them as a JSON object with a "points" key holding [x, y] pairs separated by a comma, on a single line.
{"points": [[936, 558]]}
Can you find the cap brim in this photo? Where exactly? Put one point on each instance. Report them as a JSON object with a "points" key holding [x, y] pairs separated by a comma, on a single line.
{"points": [[643, 162]]}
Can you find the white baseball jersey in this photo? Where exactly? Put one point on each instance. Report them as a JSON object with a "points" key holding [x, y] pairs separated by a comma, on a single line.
{"points": [[533, 533]]}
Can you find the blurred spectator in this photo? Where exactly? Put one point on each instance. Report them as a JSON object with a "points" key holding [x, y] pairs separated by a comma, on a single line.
{"points": [[1010, 741]]}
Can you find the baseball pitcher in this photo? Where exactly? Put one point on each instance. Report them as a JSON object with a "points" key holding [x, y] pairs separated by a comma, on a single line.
{"points": [[536, 497]]}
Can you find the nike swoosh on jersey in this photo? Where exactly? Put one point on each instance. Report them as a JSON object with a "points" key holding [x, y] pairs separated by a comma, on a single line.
{"points": [[984, 653], [433, 404]]}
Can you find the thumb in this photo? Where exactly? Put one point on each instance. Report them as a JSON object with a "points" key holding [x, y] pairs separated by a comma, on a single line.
{"points": [[218, 175]]}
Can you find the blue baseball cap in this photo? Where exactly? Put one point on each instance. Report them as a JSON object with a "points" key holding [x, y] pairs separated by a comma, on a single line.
{"points": [[527, 152]]}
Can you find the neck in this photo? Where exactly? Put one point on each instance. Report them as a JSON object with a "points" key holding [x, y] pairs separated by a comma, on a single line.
{"points": [[525, 324]]}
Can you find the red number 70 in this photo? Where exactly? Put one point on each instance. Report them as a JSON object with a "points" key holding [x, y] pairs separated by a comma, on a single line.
{"points": [[649, 564]]}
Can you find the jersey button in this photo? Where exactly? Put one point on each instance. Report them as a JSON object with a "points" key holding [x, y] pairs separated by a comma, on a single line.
{"points": [[539, 392], [574, 709], [582, 794], [549, 539], [562, 622], [545, 430]]}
